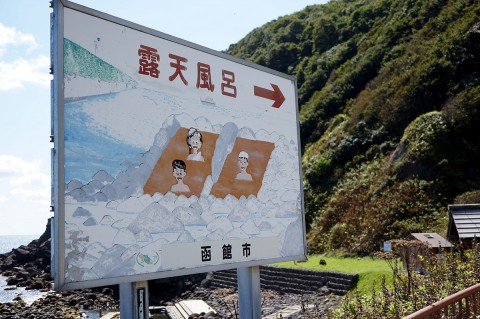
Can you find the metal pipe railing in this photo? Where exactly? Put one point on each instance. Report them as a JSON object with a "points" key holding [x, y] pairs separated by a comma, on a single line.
{"points": [[464, 304]]}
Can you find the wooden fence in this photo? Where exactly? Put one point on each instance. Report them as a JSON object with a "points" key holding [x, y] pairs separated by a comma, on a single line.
{"points": [[464, 304]]}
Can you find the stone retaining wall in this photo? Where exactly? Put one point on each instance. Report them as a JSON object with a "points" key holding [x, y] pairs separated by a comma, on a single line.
{"points": [[292, 280]]}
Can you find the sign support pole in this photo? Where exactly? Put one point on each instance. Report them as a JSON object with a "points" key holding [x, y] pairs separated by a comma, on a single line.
{"points": [[134, 300], [249, 298]]}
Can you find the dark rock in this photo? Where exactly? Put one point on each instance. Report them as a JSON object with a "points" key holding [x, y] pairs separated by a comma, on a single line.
{"points": [[107, 291], [26, 283], [46, 236], [207, 282], [91, 296], [12, 281], [22, 275], [37, 284], [8, 263], [22, 255]]}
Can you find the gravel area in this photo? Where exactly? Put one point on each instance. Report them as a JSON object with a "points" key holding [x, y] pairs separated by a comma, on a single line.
{"points": [[225, 303]]}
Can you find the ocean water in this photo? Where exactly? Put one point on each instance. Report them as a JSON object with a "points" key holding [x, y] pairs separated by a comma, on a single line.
{"points": [[7, 243], [7, 295]]}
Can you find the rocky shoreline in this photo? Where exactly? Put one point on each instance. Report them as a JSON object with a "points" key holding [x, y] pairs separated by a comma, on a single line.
{"points": [[29, 266]]}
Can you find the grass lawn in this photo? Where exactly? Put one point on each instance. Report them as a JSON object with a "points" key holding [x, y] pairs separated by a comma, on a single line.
{"points": [[370, 270]]}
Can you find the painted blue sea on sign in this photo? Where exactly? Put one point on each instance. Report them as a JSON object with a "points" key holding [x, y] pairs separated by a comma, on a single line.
{"points": [[78, 147]]}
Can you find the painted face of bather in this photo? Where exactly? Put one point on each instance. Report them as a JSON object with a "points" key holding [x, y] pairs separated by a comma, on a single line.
{"points": [[195, 142], [242, 165], [179, 172]]}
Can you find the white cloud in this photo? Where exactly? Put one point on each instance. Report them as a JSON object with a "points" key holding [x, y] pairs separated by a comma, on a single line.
{"points": [[38, 196], [23, 180], [32, 178], [10, 36], [24, 196], [21, 71], [12, 165]]}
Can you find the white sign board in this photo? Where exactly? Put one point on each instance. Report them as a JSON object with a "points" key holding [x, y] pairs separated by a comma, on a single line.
{"points": [[169, 158]]}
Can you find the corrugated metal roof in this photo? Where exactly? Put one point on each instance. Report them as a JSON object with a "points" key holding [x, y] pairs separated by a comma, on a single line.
{"points": [[433, 239], [466, 219]]}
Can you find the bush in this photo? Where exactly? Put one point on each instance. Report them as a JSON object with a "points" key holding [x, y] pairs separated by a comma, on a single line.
{"points": [[369, 206], [424, 136], [451, 272], [472, 197]]}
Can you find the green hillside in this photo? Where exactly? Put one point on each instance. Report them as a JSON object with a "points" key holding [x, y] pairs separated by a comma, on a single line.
{"points": [[389, 95]]}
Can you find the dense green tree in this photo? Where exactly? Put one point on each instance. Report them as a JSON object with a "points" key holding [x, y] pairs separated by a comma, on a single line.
{"points": [[389, 96]]}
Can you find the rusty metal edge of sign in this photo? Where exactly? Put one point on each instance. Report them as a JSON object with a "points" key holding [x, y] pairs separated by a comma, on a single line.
{"points": [[58, 155]]}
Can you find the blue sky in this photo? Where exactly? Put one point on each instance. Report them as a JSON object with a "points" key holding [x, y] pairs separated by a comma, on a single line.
{"points": [[25, 82]]}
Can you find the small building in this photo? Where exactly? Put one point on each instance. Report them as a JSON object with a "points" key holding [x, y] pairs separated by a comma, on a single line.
{"points": [[435, 242], [421, 244], [464, 223]]}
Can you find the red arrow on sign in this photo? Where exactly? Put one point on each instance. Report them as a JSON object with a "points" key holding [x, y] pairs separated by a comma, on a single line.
{"points": [[276, 95]]}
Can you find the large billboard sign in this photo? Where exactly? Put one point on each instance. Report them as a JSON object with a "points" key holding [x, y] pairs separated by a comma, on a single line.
{"points": [[169, 158]]}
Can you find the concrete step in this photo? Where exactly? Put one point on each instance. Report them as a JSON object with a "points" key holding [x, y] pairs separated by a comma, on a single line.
{"points": [[291, 280]]}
